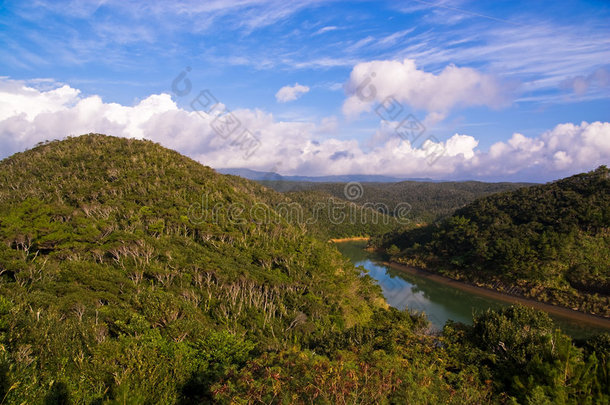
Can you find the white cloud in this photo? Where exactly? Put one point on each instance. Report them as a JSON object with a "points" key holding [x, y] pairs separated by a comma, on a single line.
{"points": [[374, 81], [326, 29], [17, 99], [542, 56], [461, 145], [395, 37], [28, 116], [564, 150], [328, 125], [290, 93]]}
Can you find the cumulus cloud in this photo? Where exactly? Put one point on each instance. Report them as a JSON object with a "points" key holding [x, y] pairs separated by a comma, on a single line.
{"points": [[566, 149], [17, 99], [29, 115], [454, 86], [290, 93]]}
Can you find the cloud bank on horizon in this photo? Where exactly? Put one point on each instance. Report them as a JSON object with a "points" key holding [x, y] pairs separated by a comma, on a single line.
{"points": [[29, 115]]}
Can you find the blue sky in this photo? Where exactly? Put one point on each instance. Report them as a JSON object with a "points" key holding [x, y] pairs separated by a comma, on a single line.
{"points": [[531, 67]]}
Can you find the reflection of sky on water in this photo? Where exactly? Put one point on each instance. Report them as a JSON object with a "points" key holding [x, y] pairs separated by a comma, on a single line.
{"points": [[440, 302]]}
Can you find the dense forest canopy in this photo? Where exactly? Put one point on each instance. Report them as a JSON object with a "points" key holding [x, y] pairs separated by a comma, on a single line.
{"points": [[428, 201], [552, 240], [132, 274]]}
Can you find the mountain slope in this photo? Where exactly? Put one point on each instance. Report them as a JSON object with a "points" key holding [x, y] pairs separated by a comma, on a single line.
{"points": [[552, 241]]}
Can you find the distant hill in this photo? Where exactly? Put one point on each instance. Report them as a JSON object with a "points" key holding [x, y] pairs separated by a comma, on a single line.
{"points": [[271, 176], [550, 242], [329, 217], [427, 201]]}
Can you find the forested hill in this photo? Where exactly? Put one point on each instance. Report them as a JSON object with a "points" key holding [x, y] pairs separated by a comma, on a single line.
{"points": [[429, 201], [552, 240], [109, 255]]}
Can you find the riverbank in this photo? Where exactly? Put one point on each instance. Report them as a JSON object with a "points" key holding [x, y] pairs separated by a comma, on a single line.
{"points": [[486, 292], [352, 239]]}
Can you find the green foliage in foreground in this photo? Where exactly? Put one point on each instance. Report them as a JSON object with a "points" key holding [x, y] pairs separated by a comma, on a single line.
{"points": [[550, 242], [520, 354], [114, 289]]}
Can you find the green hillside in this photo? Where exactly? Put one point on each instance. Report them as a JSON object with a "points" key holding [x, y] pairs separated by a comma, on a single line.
{"points": [[550, 242], [107, 238], [327, 216], [130, 274], [428, 201]]}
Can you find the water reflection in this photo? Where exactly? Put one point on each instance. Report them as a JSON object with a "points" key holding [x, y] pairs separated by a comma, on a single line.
{"points": [[440, 302]]}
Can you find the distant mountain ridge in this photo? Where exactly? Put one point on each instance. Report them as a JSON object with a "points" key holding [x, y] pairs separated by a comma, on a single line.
{"points": [[272, 176]]}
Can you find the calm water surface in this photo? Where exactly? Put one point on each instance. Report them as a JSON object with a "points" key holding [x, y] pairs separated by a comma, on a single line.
{"points": [[439, 302]]}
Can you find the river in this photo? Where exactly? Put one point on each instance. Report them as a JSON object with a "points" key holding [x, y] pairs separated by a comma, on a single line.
{"points": [[438, 301]]}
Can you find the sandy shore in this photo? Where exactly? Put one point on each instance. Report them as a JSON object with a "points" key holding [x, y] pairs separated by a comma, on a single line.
{"points": [[553, 309], [353, 239]]}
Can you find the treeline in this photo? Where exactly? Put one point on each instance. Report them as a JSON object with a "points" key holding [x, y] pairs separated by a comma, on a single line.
{"points": [[327, 217], [551, 241], [119, 283]]}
